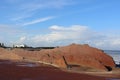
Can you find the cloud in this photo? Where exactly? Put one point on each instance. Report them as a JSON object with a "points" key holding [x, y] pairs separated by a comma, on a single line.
{"points": [[64, 35], [24, 9], [76, 32], [9, 33], [71, 28], [107, 42], [37, 21], [9, 29], [22, 17], [40, 4], [21, 40]]}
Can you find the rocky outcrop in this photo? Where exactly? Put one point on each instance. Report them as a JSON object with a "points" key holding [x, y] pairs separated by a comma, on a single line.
{"points": [[74, 55], [84, 55], [8, 55]]}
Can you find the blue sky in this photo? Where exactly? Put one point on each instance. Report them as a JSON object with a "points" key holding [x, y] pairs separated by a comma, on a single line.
{"points": [[60, 22]]}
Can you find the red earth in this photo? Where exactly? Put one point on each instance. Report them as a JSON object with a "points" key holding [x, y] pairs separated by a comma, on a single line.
{"points": [[33, 71]]}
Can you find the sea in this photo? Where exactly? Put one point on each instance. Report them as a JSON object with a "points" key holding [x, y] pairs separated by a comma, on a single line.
{"points": [[115, 54]]}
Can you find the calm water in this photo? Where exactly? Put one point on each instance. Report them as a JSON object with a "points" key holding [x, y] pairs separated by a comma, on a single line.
{"points": [[115, 54]]}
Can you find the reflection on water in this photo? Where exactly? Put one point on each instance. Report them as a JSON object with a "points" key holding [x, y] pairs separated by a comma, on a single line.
{"points": [[5, 62], [27, 64], [22, 64]]}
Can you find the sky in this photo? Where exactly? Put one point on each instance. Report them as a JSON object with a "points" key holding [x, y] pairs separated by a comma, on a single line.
{"points": [[60, 22]]}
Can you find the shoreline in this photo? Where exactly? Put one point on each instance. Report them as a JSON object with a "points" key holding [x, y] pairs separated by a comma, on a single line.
{"points": [[109, 74], [115, 74], [19, 71]]}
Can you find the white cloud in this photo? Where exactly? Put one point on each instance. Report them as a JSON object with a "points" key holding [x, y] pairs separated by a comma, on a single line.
{"points": [[43, 4], [37, 21], [24, 9], [18, 18], [75, 33], [71, 28], [21, 40], [9, 29], [61, 35]]}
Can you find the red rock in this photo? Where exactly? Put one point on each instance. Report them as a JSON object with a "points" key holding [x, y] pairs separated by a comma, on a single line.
{"points": [[87, 56], [74, 54], [8, 55]]}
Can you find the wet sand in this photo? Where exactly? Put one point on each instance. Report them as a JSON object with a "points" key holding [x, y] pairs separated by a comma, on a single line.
{"points": [[33, 71]]}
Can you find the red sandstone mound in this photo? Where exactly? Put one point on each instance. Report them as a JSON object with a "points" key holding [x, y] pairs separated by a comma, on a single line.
{"points": [[7, 55], [68, 57], [85, 56]]}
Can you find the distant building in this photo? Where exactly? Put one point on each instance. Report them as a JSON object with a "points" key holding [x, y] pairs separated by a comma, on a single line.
{"points": [[19, 46]]}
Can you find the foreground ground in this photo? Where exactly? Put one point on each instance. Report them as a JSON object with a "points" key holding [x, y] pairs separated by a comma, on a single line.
{"points": [[31, 71], [34, 71]]}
